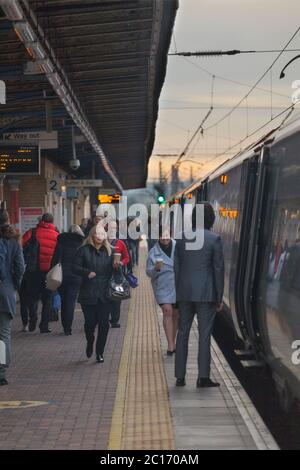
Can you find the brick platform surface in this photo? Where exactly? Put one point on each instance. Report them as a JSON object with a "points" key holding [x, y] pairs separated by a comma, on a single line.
{"points": [[77, 394]]}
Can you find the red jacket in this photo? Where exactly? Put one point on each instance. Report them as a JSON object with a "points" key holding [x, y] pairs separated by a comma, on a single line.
{"points": [[46, 235], [120, 247]]}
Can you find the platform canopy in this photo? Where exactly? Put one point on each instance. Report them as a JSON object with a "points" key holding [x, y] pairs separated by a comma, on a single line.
{"points": [[101, 62]]}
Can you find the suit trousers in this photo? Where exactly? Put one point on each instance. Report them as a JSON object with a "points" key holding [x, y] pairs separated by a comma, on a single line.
{"points": [[206, 312], [97, 315]]}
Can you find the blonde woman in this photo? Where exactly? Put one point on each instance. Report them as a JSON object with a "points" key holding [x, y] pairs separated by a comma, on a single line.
{"points": [[94, 265]]}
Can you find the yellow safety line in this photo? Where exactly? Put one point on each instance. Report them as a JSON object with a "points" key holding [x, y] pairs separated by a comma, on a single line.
{"points": [[141, 416], [115, 437]]}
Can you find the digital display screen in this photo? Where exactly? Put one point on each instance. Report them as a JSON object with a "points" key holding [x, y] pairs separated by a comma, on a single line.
{"points": [[19, 160], [108, 198]]}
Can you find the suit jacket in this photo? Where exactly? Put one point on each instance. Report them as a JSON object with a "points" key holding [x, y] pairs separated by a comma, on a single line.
{"points": [[199, 273]]}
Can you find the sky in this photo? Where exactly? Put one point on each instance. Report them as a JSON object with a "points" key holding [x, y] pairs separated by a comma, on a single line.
{"points": [[205, 25]]}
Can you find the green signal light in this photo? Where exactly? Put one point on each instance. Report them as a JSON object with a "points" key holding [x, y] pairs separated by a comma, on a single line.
{"points": [[161, 199]]}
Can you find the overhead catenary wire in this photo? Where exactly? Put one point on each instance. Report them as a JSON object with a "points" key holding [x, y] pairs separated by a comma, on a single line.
{"points": [[225, 79], [218, 53], [256, 83], [226, 152], [228, 114], [196, 132]]}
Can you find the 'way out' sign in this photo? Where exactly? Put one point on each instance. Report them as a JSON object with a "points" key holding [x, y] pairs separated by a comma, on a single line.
{"points": [[46, 140], [2, 92]]}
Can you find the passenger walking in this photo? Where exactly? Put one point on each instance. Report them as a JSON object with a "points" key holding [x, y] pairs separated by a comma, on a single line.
{"points": [[92, 222], [43, 241], [160, 268], [199, 285], [134, 243], [151, 228], [119, 262], [11, 271], [65, 252], [94, 265], [84, 223]]}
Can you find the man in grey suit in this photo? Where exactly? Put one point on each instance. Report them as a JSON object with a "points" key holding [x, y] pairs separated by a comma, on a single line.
{"points": [[199, 278]]}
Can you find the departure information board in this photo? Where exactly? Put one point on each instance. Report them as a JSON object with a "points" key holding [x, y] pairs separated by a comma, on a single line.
{"points": [[19, 160]]}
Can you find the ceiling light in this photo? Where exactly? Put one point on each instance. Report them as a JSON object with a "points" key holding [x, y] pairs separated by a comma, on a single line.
{"points": [[24, 32], [54, 80], [45, 66], [37, 49], [12, 10]]}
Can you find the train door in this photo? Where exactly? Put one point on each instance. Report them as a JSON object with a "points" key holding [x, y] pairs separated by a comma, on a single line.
{"points": [[224, 192]]}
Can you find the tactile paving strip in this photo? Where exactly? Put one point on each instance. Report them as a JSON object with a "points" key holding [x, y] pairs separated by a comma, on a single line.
{"points": [[142, 418]]}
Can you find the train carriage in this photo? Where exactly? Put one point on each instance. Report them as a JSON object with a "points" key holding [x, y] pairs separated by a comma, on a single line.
{"points": [[256, 197]]}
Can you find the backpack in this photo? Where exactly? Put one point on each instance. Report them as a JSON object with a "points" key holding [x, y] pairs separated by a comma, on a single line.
{"points": [[31, 253], [3, 259]]}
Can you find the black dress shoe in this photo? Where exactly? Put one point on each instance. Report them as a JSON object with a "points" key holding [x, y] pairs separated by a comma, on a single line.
{"points": [[68, 333], [46, 330], [170, 353], [89, 349], [180, 382], [99, 358], [3, 382], [115, 325], [206, 383]]}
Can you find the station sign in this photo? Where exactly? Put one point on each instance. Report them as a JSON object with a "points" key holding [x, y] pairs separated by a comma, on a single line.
{"points": [[55, 185], [19, 160], [84, 183], [46, 140]]}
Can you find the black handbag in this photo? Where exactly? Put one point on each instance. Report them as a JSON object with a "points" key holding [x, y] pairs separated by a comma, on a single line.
{"points": [[118, 287]]}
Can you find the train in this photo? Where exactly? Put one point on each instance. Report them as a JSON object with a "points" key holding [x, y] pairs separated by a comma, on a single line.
{"points": [[256, 197]]}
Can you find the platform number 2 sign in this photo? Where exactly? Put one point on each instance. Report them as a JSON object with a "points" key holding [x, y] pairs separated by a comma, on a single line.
{"points": [[54, 185]]}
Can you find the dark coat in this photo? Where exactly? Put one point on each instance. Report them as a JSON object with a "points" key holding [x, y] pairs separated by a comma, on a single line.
{"points": [[15, 271], [199, 273], [65, 253], [88, 260]]}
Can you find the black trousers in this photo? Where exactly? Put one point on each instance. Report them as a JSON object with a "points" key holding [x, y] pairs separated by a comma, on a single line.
{"points": [[115, 312], [68, 292], [37, 290], [25, 302], [97, 315]]}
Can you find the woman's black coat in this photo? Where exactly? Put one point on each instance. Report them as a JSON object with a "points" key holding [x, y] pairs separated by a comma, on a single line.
{"points": [[66, 252], [88, 260]]}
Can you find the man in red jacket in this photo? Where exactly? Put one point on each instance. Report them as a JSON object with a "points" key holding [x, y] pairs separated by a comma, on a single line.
{"points": [[46, 235]]}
